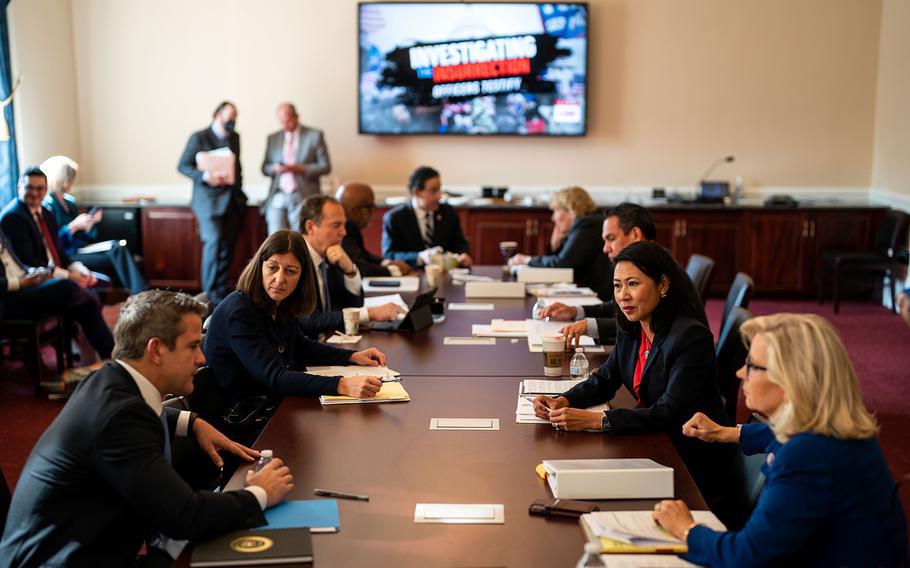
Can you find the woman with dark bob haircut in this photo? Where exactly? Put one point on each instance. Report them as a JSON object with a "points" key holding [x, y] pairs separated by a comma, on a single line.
{"points": [[664, 355], [253, 343]]}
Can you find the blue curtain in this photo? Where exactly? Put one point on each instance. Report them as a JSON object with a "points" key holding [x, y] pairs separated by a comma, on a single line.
{"points": [[9, 161]]}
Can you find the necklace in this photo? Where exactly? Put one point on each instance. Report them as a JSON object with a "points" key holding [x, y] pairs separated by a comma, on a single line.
{"points": [[647, 343]]}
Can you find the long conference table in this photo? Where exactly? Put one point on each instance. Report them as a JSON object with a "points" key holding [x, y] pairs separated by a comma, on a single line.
{"points": [[388, 452]]}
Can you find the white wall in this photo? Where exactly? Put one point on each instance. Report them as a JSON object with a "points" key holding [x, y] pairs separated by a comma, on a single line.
{"points": [[788, 87]]}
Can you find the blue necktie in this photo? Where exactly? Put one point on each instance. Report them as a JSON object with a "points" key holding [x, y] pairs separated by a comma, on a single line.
{"points": [[324, 268], [167, 437]]}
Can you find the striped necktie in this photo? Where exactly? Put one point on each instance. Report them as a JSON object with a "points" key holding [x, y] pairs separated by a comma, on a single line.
{"points": [[428, 229]]}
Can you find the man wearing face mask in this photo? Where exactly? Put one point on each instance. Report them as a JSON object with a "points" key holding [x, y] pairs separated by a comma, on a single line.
{"points": [[218, 200]]}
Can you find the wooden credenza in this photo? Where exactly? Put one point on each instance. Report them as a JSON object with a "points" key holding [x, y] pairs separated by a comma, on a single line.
{"points": [[779, 248]]}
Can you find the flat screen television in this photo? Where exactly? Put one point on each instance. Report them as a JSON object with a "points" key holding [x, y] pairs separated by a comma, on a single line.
{"points": [[463, 68]]}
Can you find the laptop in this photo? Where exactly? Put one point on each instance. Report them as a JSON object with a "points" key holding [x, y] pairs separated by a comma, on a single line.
{"points": [[417, 318]]}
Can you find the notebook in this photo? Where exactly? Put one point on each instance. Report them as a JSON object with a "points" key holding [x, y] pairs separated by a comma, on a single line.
{"points": [[390, 392]]}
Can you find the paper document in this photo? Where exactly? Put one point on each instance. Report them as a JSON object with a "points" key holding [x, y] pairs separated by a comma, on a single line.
{"points": [[524, 410], [624, 531], [572, 301], [455, 513], [645, 561], [469, 341], [218, 163], [405, 284], [501, 328], [468, 307], [390, 392], [462, 278], [545, 386], [351, 371], [321, 515], [344, 339], [103, 246], [376, 301]]}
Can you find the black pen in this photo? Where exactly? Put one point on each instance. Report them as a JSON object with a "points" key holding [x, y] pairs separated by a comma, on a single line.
{"points": [[340, 494]]}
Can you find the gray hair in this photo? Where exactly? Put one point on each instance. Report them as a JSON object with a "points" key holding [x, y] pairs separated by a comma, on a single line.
{"points": [[154, 313]]}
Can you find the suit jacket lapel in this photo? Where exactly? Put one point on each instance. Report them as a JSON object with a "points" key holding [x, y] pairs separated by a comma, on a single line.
{"points": [[653, 353], [415, 226]]}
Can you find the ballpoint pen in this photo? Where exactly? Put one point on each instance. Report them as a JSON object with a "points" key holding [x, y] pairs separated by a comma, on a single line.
{"points": [[340, 494], [391, 379]]}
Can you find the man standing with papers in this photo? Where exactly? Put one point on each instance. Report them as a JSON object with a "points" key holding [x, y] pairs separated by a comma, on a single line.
{"points": [[218, 200]]}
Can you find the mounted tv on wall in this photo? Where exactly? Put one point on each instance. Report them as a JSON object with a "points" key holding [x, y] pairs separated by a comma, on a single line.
{"points": [[477, 69]]}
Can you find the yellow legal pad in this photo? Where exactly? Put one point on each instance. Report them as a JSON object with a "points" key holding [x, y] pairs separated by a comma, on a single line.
{"points": [[390, 392]]}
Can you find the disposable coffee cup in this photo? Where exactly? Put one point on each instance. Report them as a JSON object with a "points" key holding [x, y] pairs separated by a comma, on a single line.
{"points": [[554, 354], [351, 320], [434, 275]]}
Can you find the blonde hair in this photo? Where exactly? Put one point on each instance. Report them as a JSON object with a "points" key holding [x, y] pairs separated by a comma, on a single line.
{"points": [[575, 200], [807, 359], [59, 171]]}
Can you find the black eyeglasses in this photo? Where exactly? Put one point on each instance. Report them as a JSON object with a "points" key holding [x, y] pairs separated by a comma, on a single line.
{"points": [[750, 366]]}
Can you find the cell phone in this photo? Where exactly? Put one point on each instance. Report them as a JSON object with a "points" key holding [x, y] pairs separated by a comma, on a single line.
{"points": [[386, 283], [563, 507], [93, 210]]}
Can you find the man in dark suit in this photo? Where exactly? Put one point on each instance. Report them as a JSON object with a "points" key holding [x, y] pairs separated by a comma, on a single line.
{"points": [[623, 225], [33, 293], [218, 201], [295, 158], [33, 233], [358, 202], [338, 281], [418, 230], [99, 481]]}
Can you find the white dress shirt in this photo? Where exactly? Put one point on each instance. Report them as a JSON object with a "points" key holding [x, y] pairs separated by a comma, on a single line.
{"points": [[352, 284]]}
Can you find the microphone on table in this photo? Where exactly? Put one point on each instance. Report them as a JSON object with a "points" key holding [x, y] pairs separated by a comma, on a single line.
{"points": [[713, 167]]}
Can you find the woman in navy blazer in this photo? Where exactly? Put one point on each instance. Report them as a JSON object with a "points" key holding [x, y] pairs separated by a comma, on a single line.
{"points": [[828, 497], [665, 357], [253, 343], [576, 242]]}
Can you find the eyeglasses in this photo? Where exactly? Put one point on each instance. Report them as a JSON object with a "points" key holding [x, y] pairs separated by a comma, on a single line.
{"points": [[750, 366]]}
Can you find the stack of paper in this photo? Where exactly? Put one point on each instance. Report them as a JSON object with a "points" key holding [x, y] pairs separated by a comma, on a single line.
{"points": [[546, 386], [571, 300], [636, 531], [559, 289], [390, 392], [524, 410]]}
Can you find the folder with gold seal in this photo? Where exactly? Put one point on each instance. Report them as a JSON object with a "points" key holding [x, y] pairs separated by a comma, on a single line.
{"points": [[254, 546]]}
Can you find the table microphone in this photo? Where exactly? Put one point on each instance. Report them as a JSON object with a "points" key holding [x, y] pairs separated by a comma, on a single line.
{"points": [[714, 166]]}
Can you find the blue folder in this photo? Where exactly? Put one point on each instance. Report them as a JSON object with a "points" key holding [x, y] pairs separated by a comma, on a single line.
{"points": [[321, 515]]}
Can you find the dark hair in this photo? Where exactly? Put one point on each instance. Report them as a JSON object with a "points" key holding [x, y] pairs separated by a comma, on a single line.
{"points": [[312, 207], [630, 216], [420, 177], [681, 298], [30, 172], [302, 299], [153, 313], [221, 106]]}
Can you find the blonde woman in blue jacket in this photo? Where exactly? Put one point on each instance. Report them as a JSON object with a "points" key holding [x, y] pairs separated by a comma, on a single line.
{"points": [[828, 497]]}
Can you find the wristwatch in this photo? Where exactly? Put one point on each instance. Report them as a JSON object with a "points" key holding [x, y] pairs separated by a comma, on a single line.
{"points": [[605, 424]]}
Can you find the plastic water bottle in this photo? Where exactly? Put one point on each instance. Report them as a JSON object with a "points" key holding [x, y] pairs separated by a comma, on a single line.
{"points": [[265, 456], [578, 367], [591, 557], [538, 307]]}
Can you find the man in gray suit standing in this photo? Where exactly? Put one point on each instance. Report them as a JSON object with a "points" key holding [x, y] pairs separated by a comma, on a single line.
{"points": [[295, 158]]}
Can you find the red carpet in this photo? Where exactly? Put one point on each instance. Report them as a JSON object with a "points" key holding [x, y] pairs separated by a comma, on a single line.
{"points": [[878, 342]]}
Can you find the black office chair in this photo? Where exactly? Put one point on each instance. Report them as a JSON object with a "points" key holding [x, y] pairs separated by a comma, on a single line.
{"points": [[878, 263], [700, 269], [6, 497], [739, 296], [731, 356], [753, 478]]}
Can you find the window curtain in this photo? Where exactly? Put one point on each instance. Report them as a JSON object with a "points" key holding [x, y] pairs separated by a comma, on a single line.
{"points": [[9, 161]]}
